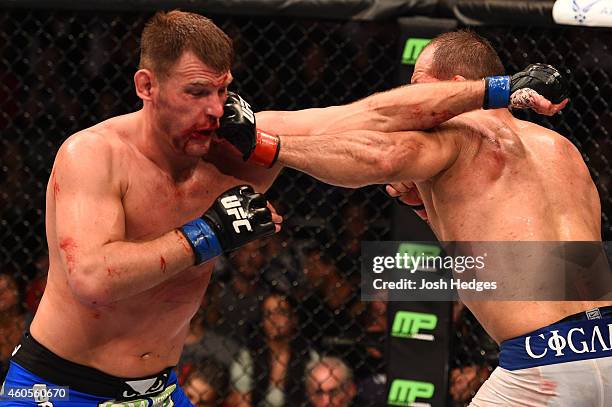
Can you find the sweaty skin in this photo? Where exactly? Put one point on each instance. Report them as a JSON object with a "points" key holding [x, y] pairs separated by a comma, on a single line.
{"points": [[483, 176], [122, 287]]}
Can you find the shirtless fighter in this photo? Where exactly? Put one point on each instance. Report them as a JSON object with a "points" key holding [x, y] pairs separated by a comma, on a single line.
{"points": [[482, 176], [123, 282], [138, 207]]}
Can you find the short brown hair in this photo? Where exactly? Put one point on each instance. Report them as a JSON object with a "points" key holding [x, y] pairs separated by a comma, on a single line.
{"points": [[168, 34], [464, 53]]}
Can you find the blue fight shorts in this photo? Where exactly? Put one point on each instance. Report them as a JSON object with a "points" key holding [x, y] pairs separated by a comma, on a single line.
{"points": [[38, 377]]}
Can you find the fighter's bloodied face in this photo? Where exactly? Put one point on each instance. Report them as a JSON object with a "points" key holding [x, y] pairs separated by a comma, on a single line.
{"points": [[422, 67], [190, 104]]}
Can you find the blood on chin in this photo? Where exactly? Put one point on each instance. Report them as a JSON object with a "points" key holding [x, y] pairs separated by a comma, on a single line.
{"points": [[197, 145]]}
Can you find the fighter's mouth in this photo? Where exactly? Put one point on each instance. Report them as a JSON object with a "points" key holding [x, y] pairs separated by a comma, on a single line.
{"points": [[204, 133]]}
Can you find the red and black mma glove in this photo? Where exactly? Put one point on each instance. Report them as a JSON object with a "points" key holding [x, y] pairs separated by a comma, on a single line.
{"points": [[237, 217], [512, 91], [239, 129]]}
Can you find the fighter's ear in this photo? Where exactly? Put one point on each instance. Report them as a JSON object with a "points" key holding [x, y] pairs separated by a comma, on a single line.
{"points": [[144, 80], [459, 78]]}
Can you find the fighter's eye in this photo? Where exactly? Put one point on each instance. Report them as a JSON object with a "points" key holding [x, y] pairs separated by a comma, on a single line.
{"points": [[198, 92]]}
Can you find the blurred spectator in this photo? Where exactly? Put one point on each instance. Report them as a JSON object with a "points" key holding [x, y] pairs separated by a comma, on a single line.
{"points": [[12, 319], [207, 384], [328, 301], [371, 376], [36, 287], [355, 217], [465, 382], [13, 179], [284, 269], [268, 372], [470, 368], [203, 341], [329, 383], [238, 299]]}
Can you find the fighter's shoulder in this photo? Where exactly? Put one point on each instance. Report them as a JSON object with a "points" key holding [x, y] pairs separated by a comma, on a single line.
{"points": [[100, 142], [549, 140], [98, 152]]}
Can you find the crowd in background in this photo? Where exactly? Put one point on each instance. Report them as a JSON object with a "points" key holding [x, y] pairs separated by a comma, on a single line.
{"points": [[280, 325], [282, 322]]}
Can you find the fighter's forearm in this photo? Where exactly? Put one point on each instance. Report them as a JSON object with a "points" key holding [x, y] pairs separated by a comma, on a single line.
{"points": [[122, 269], [350, 159], [414, 107]]}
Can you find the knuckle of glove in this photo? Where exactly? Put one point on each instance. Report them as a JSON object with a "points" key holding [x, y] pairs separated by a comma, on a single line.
{"points": [[544, 79], [257, 201]]}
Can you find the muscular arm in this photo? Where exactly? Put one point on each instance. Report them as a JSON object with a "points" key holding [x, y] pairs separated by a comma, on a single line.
{"points": [[101, 266], [413, 107], [363, 157]]}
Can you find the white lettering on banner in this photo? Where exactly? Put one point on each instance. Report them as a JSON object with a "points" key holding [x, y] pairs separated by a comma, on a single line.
{"points": [[570, 343], [557, 343], [597, 333], [528, 348]]}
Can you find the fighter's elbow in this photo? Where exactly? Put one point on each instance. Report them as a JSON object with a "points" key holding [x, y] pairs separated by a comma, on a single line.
{"points": [[396, 164], [88, 285], [387, 169]]}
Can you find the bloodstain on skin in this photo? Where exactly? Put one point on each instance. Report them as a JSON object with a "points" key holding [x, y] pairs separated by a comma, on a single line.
{"points": [[56, 188], [162, 264], [96, 315], [68, 245], [111, 272], [183, 242]]}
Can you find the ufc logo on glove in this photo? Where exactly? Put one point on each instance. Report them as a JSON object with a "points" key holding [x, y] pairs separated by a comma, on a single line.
{"points": [[233, 207]]}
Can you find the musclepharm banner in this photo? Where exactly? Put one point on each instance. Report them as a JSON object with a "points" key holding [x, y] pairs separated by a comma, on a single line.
{"points": [[419, 344], [418, 333]]}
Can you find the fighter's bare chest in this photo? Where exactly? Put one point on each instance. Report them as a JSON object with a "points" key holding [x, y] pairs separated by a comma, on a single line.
{"points": [[155, 204]]}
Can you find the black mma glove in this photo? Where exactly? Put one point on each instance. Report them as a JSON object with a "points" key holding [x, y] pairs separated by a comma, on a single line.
{"points": [[512, 91], [238, 127], [237, 217]]}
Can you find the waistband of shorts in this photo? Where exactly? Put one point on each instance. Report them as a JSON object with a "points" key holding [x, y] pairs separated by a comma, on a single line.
{"points": [[582, 336], [595, 313], [40, 361]]}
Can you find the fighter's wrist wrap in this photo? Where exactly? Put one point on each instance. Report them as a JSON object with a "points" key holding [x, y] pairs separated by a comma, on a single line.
{"points": [[267, 148], [202, 239], [497, 92]]}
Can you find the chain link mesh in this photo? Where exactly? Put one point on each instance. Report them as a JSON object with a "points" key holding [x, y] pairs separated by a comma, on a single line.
{"points": [[64, 71]]}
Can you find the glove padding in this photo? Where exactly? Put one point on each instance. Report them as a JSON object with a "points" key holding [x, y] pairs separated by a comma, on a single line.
{"points": [[238, 124], [544, 79], [238, 127], [239, 216]]}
